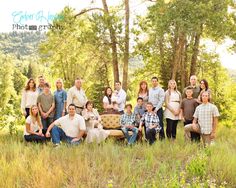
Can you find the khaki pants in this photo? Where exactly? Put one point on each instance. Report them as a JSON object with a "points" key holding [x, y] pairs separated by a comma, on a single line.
{"points": [[206, 138]]}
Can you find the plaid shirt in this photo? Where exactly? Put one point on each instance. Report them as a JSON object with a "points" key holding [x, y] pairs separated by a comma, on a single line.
{"points": [[127, 119], [205, 114], [150, 119]]}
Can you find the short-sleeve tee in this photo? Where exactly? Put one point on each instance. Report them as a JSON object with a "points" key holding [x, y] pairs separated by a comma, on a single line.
{"points": [[46, 102], [34, 127], [71, 125], [188, 106]]}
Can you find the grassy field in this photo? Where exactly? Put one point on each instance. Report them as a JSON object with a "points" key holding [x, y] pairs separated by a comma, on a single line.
{"points": [[112, 164]]}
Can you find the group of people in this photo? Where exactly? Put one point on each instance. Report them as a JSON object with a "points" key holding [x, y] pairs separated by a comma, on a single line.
{"points": [[70, 116]]}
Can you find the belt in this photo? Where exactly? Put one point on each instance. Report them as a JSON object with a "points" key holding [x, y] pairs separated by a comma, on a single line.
{"points": [[79, 107]]}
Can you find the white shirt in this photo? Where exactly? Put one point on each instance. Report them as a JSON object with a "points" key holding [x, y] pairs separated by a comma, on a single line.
{"points": [[71, 125], [76, 97], [29, 98], [105, 100], [34, 127], [121, 99]]}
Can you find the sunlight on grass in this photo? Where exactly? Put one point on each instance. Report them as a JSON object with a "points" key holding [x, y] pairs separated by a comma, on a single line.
{"points": [[112, 164]]}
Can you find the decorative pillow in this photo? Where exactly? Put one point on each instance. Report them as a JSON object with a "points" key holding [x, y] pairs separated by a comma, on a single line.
{"points": [[111, 121]]}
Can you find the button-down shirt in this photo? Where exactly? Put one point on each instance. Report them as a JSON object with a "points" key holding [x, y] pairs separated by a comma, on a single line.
{"points": [[205, 114], [150, 119], [127, 119], [71, 125], [76, 97], [156, 97], [121, 99]]}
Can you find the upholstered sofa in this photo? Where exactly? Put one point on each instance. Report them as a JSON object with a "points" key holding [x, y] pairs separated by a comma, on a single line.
{"points": [[112, 122]]}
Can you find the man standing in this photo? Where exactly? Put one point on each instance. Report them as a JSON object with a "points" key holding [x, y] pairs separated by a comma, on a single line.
{"points": [[72, 128], [127, 122], [205, 120], [193, 85], [121, 97], [196, 91], [41, 84], [157, 97], [76, 96]]}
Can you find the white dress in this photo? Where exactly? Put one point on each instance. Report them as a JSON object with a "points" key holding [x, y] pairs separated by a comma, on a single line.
{"points": [[95, 131], [174, 103]]}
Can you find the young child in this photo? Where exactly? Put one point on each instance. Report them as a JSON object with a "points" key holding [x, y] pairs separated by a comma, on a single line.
{"points": [[114, 98], [187, 110], [139, 110]]}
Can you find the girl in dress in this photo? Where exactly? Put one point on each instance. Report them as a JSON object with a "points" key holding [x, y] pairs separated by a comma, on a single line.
{"points": [[173, 100], [95, 131]]}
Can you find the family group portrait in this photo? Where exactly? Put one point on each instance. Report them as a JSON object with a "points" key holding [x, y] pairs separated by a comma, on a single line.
{"points": [[118, 93]]}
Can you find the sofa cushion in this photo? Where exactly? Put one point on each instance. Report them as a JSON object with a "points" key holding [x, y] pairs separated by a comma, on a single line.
{"points": [[118, 133], [111, 121]]}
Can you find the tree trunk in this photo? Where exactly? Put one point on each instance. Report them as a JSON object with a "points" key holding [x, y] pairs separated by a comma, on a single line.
{"points": [[126, 51], [177, 55], [184, 67], [113, 43], [195, 52]]}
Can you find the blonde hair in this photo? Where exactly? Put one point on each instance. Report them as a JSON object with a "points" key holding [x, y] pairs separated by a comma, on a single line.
{"points": [[174, 88], [36, 118], [60, 80]]}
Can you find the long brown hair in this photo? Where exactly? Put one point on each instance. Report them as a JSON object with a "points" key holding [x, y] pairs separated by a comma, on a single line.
{"points": [[36, 118], [108, 96], [27, 87], [140, 88]]}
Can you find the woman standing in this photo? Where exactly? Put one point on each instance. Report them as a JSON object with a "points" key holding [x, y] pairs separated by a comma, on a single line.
{"points": [[60, 99], [33, 128], [143, 92], [108, 103], [29, 97], [204, 87], [173, 100], [95, 132]]}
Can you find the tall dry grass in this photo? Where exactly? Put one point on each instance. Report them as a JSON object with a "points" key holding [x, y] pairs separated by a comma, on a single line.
{"points": [[112, 164]]}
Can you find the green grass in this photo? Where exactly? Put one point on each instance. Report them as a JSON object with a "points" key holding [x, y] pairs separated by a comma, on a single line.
{"points": [[112, 164]]}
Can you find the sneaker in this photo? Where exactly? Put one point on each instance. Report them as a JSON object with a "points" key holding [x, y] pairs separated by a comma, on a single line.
{"points": [[56, 145]]}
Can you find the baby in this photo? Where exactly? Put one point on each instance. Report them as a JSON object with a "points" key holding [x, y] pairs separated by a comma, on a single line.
{"points": [[114, 98]]}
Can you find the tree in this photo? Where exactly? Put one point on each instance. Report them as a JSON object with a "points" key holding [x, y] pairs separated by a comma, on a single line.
{"points": [[126, 50]]}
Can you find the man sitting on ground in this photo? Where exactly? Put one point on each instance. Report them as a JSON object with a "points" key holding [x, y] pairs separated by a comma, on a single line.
{"points": [[72, 128]]}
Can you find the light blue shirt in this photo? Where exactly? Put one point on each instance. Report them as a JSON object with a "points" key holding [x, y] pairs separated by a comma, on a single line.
{"points": [[156, 97]]}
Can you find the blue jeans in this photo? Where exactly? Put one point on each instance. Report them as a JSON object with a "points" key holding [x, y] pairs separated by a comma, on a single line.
{"points": [[58, 135], [131, 139]]}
